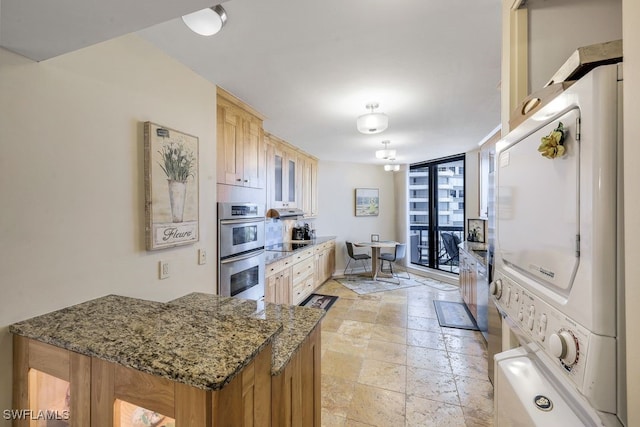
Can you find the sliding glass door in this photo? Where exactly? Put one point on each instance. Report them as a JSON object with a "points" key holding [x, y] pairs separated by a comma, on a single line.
{"points": [[436, 212]]}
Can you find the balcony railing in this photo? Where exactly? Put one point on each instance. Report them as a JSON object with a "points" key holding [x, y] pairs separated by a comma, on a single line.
{"points": [[446, 259]]}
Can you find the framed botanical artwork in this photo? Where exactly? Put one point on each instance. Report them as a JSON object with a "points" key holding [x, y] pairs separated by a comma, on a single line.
{"points": [[375, 237], [476, 230], [171, 187], [367, 202]]}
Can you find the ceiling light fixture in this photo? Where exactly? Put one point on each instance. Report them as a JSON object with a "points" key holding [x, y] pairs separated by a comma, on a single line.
{"points": [[206, 22], [386, 154], [372, 122], [392, 167]]}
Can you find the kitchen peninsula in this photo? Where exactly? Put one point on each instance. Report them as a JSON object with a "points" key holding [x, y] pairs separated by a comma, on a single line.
{"points": [[200, 360]]}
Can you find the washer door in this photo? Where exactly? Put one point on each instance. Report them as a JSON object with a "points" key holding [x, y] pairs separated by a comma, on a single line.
{"points": [[527, 395]]}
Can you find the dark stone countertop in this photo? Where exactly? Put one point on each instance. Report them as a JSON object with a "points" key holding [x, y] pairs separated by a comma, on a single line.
{"points": [[174, 341], [297, 322]]}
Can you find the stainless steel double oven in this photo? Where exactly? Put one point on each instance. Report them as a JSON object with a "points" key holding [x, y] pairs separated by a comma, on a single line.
{"points": [[241, 250]]}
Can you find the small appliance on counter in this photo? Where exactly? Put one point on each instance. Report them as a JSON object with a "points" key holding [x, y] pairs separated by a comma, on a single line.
{"points": [[301, 233]]}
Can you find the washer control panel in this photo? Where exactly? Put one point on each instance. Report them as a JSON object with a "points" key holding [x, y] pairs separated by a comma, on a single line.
{"points": [[563, 340]]}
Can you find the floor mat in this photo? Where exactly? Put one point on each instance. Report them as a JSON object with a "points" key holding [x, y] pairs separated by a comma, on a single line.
{"points": [[454, 315], [319, 301], [365, 285]]}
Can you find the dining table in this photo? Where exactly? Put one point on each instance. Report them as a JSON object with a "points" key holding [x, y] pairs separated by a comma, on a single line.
{"points": [[375, 254]]}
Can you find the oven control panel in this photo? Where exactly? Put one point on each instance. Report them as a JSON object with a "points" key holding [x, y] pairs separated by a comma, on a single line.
{"points": [[567, 344]]}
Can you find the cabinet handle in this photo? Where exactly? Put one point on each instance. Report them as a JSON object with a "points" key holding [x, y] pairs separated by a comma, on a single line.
{"points": [[246, 180], [238, 179]]}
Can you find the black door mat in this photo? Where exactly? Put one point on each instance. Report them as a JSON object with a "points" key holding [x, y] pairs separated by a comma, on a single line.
{"points": [[319, 301]]}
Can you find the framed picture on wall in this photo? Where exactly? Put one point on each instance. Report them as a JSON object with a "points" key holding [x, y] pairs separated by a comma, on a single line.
{"points": [[171, 187], [367, 202], [476, 230]]}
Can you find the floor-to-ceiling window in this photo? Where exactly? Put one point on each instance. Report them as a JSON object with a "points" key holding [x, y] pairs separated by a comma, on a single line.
{"points": [[436, 212]]}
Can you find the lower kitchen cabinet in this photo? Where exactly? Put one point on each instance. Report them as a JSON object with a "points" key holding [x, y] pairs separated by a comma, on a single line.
{"points": [[278, 287], [325, 262], [88, 391], [292, 279], [296, 391], [52, 381], [469, 281]]}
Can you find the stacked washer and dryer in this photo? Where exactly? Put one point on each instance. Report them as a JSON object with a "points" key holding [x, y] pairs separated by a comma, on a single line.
{"points": [[558, 278]]}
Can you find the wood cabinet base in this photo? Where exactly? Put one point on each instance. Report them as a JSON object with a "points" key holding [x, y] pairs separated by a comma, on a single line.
{"points": [[296, 392], [96, 388]]}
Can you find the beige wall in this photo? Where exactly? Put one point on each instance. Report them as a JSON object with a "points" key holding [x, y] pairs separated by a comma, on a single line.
{"points": [[631, 37], [337, 182], [71, 180]]}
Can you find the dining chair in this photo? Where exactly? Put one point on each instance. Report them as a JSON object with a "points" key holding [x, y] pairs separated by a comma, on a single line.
{"points": [[355, 257], [399, 253]]}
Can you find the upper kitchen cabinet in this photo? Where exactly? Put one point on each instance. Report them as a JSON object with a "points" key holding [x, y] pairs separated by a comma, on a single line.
{"points": [[240, 145], [309, 190], [486, 158], [292, 177], [283, 182]]}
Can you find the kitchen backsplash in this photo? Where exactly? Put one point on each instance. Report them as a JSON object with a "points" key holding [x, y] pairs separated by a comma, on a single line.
{"points": [[279, 230]]}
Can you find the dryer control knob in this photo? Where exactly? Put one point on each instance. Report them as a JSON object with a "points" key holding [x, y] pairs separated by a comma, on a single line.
{"points": [[496, 288], [564, 347]]}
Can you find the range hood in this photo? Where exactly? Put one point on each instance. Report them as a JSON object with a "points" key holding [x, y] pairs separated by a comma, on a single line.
{"points": [[285, 213]]}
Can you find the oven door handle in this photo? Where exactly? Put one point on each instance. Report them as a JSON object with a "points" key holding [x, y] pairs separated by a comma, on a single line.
{"points": [[241, 257], [241, 221]]}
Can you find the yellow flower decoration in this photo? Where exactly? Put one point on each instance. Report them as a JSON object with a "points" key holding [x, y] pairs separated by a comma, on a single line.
{"points": [[551, 145]]}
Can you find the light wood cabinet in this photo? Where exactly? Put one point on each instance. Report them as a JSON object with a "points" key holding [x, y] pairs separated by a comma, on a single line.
{"points": [[309, 185], [283, 176], [279, 287], [99, 393], [51, 379], [292, 177], [325, 262], [240, 143], [469, 281], [486, 157], [296, 391], [290, 280]]}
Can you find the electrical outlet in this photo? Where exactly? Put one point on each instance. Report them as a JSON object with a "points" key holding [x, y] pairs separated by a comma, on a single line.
{"points": [[164, 269], [202, 256]]}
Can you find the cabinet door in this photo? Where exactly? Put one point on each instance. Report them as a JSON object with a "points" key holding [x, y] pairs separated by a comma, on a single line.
{"points": [[271, 288], [293, 179], [253, 154], [308, 188], [284, 174], [229, 146], [285, 287], [313, 166]]}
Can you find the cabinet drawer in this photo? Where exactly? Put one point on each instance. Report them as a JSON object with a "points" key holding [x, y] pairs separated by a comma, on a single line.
{"points": [[301, 255], [276, 267], [303, 269]]}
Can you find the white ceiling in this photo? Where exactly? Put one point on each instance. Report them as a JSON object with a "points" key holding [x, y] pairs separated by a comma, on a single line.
{"points": [[311, 67]]}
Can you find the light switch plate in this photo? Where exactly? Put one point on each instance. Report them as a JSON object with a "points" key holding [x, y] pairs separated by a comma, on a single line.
{"points": [[202, 256], [164, 269]]}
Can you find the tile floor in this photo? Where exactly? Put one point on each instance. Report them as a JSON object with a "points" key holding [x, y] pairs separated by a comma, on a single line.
{"points": [[387, 362]]}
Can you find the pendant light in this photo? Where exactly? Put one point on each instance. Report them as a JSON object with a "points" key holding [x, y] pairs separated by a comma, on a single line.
{"points": [[372, 122], [392, 167], [385, 153], [206, 22]]}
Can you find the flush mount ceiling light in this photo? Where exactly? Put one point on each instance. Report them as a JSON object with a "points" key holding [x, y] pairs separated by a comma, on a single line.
{"points": [[206, 22], [372, 122], [386, 153]]}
